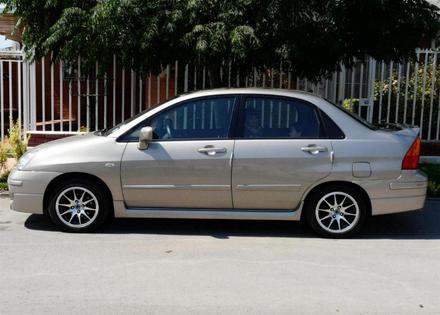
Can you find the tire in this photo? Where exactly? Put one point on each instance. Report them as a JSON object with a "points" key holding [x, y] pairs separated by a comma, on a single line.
{"points": [[339, 219], [79, 205]]}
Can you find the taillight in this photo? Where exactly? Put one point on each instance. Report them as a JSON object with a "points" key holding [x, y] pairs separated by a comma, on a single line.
{"points": [[411, 159]]}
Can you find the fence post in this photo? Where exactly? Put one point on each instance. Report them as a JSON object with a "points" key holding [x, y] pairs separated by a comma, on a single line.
{"points": [[371, 81]]}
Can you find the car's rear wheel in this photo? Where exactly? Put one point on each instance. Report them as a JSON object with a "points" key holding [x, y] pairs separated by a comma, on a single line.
{"points": [[78, 206], [336, 211]]}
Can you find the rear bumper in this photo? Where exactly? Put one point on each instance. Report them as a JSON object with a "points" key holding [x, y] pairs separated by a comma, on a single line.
{"points": [[26, 190], [406, 193]]}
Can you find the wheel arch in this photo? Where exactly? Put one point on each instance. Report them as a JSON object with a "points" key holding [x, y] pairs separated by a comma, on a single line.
{"points": [[62, 177], [352, 185]]}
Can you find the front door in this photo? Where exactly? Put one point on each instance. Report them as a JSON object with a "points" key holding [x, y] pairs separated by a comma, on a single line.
{"points": [[188, 164], [281, 151]]}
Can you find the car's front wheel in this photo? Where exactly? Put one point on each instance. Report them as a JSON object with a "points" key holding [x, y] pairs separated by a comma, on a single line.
{"points": [[336, 211], [78, 206]]}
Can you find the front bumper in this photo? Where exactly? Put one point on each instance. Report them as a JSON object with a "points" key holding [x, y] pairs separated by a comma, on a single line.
{"points": [[406, 193], [26, 189]]}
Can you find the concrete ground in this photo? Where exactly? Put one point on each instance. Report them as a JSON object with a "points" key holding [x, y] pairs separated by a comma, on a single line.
{"points": [[220, 267]]}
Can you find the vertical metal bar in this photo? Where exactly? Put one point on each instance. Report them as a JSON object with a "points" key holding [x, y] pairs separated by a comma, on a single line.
{"points": [[204, 77], [399, 77], [123, 95], [105, 100], [382, 70], [390, 88], [132, 91], [96, 98], [371, 85], [158, 88], [176, 77], [34, 96], [79, 94], [289, 81], [185, 81], [425, 69], [229, 74], [140, 94], [342, 77], [416, 76], [114, 90], [88, 104], [149, 90], [335, 82], [352, 88], [195, 78], [70, 104], [433, 91], [238, 78], [52, 95], [2, 105], [281, 78], [10, 94], [326, 88], [43, 93], [167, 86], [19, 66], [406, 92], [61, 95], [255, 77], [25, 97], [361, 81], [271, 82], [264, 78]]}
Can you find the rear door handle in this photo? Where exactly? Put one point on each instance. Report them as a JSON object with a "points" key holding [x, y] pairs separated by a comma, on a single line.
{"points": [[211, 150], [314, 149]]}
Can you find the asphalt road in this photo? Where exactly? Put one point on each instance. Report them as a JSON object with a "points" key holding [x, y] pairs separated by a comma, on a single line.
{"points": [[220, 267]]}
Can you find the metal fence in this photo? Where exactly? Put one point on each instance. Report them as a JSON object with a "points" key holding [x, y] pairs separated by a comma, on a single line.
{"points": [[46, 96]]}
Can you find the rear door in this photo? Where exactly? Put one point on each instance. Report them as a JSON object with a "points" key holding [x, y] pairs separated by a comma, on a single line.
{"points": [[281, 150]]}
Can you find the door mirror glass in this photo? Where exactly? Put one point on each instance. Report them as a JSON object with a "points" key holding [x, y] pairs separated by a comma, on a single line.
{"points": [[145, 136]]}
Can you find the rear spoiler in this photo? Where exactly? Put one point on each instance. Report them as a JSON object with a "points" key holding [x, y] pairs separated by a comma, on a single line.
{"points": [[401, 129]]}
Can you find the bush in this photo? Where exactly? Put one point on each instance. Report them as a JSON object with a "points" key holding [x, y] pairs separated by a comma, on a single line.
{"points": [[433, 172], [16, 141]]}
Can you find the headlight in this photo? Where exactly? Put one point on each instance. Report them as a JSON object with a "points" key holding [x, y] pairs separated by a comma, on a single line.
{"points": [[24, 160]]}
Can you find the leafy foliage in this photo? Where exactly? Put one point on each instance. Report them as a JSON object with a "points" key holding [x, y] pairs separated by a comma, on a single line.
{"points": [[15, 140], [312, 37], [433, 172]]}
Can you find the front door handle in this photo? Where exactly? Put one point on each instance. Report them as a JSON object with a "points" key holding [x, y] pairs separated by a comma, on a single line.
{"points": [[211, 150], [314, 149]]}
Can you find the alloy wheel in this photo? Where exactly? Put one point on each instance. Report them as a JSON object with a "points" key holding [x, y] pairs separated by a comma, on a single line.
{"points": [[337, 212], [77, 207]]}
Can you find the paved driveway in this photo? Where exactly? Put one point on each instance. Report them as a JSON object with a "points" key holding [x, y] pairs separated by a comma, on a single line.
{"points": [[220, 267]]}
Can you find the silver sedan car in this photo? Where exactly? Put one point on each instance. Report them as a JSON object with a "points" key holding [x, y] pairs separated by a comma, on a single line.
{"points": [[251, 154]]}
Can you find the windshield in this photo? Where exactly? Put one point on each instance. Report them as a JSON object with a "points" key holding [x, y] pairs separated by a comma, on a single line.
{"points": [[107, 131], [354, 116]]}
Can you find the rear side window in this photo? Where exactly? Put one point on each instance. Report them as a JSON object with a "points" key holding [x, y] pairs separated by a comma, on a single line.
{"points": [[272, 117], [332, 130]]}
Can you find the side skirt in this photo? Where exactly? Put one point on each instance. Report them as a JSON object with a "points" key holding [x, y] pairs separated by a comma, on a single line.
{"points": [[233, 214]]}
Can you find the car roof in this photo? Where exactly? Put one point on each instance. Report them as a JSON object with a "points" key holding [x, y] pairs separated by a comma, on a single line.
{"points": [[266, 91]]}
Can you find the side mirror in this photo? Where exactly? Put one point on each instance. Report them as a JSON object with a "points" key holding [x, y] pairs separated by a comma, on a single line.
{"points": [[145, 136]]}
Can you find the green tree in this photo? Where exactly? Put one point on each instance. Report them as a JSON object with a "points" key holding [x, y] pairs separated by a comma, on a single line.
{"points": [[311, 37]]}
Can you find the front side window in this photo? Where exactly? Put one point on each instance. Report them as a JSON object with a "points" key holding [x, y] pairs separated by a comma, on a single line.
{"points": [[267, 117], [198, 119]]}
